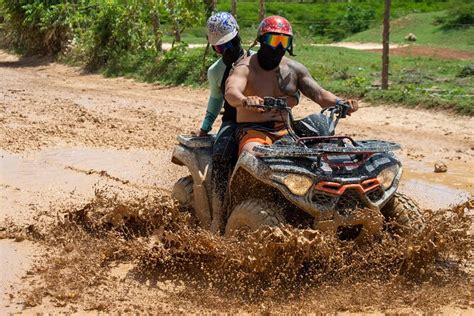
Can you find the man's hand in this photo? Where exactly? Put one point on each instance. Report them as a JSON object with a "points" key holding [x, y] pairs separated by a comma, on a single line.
{"points": [[253, 103], [354, 105]]}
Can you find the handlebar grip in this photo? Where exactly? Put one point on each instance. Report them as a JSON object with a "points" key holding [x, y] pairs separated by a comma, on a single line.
{"points": [[272, 103], [343, 108]]}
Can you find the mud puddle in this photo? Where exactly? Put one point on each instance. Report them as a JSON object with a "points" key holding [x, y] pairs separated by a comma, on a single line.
{"points": [[15, 259], [437, 190], [432, 195], [154, 260], [32, 181], [459, 176]]}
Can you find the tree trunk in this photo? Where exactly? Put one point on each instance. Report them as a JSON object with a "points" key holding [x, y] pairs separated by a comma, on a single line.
{"points": [[261, 10], [177, 33], [155, 21], [386, 34], [211, 6], [233, 8]]}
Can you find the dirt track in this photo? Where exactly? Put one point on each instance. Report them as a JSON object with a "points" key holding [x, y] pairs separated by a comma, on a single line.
{"points": [[64, 133]]}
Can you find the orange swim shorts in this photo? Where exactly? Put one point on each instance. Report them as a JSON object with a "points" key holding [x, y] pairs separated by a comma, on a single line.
{"points": [[263, 133]]}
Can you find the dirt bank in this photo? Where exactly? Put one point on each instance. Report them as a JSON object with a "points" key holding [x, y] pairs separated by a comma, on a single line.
{"points": [[66, 136]]}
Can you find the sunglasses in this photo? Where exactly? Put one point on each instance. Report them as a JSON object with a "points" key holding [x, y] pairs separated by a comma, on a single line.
{"points": [[220, 49], [275, 40]]}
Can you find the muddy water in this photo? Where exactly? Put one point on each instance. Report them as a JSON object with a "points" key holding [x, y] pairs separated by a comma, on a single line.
{"points": [[30, 182], [459, 176], [15, 259], [33, 182], [437, 190]]}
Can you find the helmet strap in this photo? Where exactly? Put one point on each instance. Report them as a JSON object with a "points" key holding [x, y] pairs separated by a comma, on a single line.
{"points": [[290, 49]]}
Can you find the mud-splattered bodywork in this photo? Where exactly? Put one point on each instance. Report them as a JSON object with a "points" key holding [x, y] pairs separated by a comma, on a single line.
{"points": [[342, 183]]}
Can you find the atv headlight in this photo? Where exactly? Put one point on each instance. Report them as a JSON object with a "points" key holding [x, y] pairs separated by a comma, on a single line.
{"points": [[386, 176], [297, 184]]}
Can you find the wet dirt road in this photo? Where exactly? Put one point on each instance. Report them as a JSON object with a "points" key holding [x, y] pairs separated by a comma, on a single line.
{"points": [[64, 134]]}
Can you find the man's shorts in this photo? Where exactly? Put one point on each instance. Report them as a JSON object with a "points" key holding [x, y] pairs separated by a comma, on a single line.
{"points": [[264, 133]]}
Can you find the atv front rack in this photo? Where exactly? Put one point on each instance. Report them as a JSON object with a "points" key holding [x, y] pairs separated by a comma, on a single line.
{"points": [[357, 147]]}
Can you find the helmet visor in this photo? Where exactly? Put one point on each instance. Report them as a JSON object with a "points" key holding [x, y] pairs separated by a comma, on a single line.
{"points": [[220, 49], [275, 40]]}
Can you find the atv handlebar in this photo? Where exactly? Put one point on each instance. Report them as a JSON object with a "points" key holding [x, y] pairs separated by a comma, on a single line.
{"points": [[340, 110], [271, 103], [336, 112]]}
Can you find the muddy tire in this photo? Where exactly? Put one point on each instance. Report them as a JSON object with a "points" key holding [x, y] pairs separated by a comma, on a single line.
{"points": [[253, 214], [404, 216], [183, 192]]}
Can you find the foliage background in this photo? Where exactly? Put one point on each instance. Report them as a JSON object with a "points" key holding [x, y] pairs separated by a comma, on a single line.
{"points": [[123, 38]]}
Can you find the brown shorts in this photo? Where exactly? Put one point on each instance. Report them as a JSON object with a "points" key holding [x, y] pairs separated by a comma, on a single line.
{"points": [[263, 133]]}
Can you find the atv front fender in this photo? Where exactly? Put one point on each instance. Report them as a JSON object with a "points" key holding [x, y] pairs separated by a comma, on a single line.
{"points": [[198, 161], [260, 172]]}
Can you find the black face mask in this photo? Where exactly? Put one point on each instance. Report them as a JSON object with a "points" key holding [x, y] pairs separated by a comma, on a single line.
{"points": [[231, 55], [268, 57]]}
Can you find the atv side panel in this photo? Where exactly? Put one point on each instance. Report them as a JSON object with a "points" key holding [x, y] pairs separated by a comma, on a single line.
{"points": [[196, 154]]}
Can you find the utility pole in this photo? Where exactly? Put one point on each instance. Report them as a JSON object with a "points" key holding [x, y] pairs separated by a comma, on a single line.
{"points": [[261, 10], [233, 8], [386, 34]]}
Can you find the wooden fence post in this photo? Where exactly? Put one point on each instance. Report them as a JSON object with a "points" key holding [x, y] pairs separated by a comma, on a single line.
{"points": [[261, 10], [233, 8], [385, 42]]}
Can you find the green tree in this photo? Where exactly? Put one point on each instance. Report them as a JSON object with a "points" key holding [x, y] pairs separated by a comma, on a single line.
{"points": [[183, 14]]}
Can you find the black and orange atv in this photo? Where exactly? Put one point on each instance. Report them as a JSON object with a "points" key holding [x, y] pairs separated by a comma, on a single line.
{"points": [[308, 179]]}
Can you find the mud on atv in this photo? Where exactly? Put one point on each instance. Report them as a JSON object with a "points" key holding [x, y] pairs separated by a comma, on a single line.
{"points": [[308, 179]]}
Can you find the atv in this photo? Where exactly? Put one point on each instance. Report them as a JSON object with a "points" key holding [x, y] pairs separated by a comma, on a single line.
{"points": [[308, 179]]}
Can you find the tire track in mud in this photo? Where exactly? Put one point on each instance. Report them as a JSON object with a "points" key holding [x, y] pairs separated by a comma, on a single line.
{"points": [[155, 260]]}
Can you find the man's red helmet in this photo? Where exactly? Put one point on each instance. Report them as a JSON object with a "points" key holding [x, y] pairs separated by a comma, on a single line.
{"points": [[275, 24]]}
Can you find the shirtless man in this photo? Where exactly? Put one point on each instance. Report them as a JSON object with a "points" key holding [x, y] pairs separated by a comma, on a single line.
{"points": [[269, 73]]}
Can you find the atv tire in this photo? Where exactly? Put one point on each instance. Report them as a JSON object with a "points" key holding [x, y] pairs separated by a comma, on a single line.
{"points": [[404, 216], [251, 215], [183, 192]]}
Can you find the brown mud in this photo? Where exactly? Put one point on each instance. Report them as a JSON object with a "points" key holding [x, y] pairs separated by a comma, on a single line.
{"points": [[79, 153]]}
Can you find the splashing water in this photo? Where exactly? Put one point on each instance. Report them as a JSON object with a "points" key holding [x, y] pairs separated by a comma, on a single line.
{"points": [[274, 269]]}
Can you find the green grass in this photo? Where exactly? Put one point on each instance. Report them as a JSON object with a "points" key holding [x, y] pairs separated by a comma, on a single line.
{"points": [[308, 18], [427, 33], [415, 81]]}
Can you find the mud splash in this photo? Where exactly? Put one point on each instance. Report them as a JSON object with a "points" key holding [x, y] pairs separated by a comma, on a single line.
{"points": [[120, 252]]}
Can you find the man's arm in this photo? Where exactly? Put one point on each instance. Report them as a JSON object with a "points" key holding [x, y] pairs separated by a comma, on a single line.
{"points": [[311, 89], [235, 85]]}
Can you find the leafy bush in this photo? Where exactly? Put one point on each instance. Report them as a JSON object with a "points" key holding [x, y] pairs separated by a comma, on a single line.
{"points": [[35, 26], [354, 20], [182, 66], [460, 16], [100, 29], [113, 30]]}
